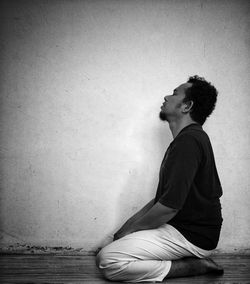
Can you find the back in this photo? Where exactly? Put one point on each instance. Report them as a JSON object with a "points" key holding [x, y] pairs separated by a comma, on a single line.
{"points": [[199, 218]]}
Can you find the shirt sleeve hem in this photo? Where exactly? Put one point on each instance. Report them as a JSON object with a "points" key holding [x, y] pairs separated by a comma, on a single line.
{"points": [[169, 204]]}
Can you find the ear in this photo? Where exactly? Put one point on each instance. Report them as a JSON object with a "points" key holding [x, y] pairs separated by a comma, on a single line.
{"points": [[187, 106]]}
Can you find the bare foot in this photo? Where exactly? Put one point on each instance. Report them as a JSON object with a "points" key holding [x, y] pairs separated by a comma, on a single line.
{"points": [[213, 267], [192, 266]]}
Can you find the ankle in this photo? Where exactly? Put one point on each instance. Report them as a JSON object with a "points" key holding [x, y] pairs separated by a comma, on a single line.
{"points": [[193, 267]]}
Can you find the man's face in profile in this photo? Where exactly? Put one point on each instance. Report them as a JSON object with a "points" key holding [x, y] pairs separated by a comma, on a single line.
{"points": [[172, 104]]}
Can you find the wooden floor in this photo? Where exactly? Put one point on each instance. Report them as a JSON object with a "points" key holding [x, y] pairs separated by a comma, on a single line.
{"points": [[81, 269]]}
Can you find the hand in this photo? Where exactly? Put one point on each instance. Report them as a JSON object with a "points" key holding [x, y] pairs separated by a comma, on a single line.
{"points": [[116, 237], [121, 233]]}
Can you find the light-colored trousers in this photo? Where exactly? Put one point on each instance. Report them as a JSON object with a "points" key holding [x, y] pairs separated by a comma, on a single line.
{"points": [[145, 256]]}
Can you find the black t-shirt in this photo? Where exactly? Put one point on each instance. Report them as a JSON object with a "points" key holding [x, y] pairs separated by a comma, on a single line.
{"points": [[189, 182]]}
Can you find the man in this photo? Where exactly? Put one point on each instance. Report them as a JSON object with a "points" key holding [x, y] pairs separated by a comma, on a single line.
{"points": [[175, 232]]}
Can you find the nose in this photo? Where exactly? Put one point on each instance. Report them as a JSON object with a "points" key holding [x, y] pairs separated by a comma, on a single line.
{"points": [[165, 98]]}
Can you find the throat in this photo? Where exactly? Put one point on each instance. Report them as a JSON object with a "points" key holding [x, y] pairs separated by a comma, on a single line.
{"points": [[176, 127]]}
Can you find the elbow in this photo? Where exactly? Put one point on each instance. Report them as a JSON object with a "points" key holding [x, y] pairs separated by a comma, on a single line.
{"points": [[170, 213], [166, 209], [174, 210]]}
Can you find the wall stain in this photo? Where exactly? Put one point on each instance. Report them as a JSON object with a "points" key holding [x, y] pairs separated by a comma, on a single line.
{"points": [[29, 249]]}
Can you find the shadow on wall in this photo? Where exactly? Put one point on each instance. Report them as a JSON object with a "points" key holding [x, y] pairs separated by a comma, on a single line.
{"points": [[133, 198], [150, 138]]}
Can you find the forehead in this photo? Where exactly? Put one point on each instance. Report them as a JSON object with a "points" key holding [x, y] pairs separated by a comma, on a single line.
{"points": [[182, 88]]}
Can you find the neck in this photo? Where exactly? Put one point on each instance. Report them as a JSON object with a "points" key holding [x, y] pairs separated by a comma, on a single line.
{"points": [[177, 126]]}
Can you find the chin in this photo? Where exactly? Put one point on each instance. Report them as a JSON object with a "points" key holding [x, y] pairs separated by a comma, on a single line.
{"points": [[163, 116]]}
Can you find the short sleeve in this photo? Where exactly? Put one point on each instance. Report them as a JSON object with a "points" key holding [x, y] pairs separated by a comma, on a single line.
{"points": [[180, 168]]}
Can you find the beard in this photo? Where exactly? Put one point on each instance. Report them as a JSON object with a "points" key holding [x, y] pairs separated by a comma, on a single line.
{"points": [[163, 116]]}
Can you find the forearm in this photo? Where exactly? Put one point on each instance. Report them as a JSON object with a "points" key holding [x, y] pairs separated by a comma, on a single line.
{"points": [[141, 212], [128, 224], [154, 218]]}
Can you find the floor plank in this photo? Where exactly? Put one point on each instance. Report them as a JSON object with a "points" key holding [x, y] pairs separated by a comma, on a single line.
{"points": [[81, 269]]}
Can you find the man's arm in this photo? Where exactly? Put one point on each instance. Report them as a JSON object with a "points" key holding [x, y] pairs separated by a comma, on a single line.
{"points": [[141, 212], [135, 217], [156, 216]]}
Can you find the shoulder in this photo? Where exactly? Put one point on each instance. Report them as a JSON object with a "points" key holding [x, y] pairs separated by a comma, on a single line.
{"points": [[194, 135], [191, 141], [187, 138]]}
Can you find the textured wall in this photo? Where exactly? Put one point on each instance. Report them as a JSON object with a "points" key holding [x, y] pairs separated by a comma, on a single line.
{"points": [[81, 87]]}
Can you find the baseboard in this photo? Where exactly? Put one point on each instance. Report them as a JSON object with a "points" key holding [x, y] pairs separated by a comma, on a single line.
{"points": [[58, 250], [30, 249]]}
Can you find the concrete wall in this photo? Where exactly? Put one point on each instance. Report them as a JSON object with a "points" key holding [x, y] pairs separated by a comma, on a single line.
{"points": [[81, 87]]}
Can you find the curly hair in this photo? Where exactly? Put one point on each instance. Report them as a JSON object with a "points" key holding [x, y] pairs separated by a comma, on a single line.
{"points": [[204, 97]]}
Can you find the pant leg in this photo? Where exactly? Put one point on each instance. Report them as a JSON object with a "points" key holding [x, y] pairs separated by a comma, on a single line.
{"points": [[142, 256]]}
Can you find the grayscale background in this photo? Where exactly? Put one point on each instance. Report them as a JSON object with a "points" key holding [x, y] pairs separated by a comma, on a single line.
{"points": [[81, 85]]}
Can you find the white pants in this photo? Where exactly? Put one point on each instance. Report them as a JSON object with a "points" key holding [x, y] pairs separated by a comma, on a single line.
{"points": [[145, 256]]}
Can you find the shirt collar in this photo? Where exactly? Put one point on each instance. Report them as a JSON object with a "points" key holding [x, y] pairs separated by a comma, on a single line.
{"points": [[195, 126]]}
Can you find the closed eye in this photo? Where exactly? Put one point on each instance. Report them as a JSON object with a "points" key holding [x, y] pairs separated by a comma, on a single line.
{"points": [[174, 92]]}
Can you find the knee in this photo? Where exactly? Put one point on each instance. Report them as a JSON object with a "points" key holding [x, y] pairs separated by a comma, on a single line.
{"points": [[107, 264], [101, 259]]}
